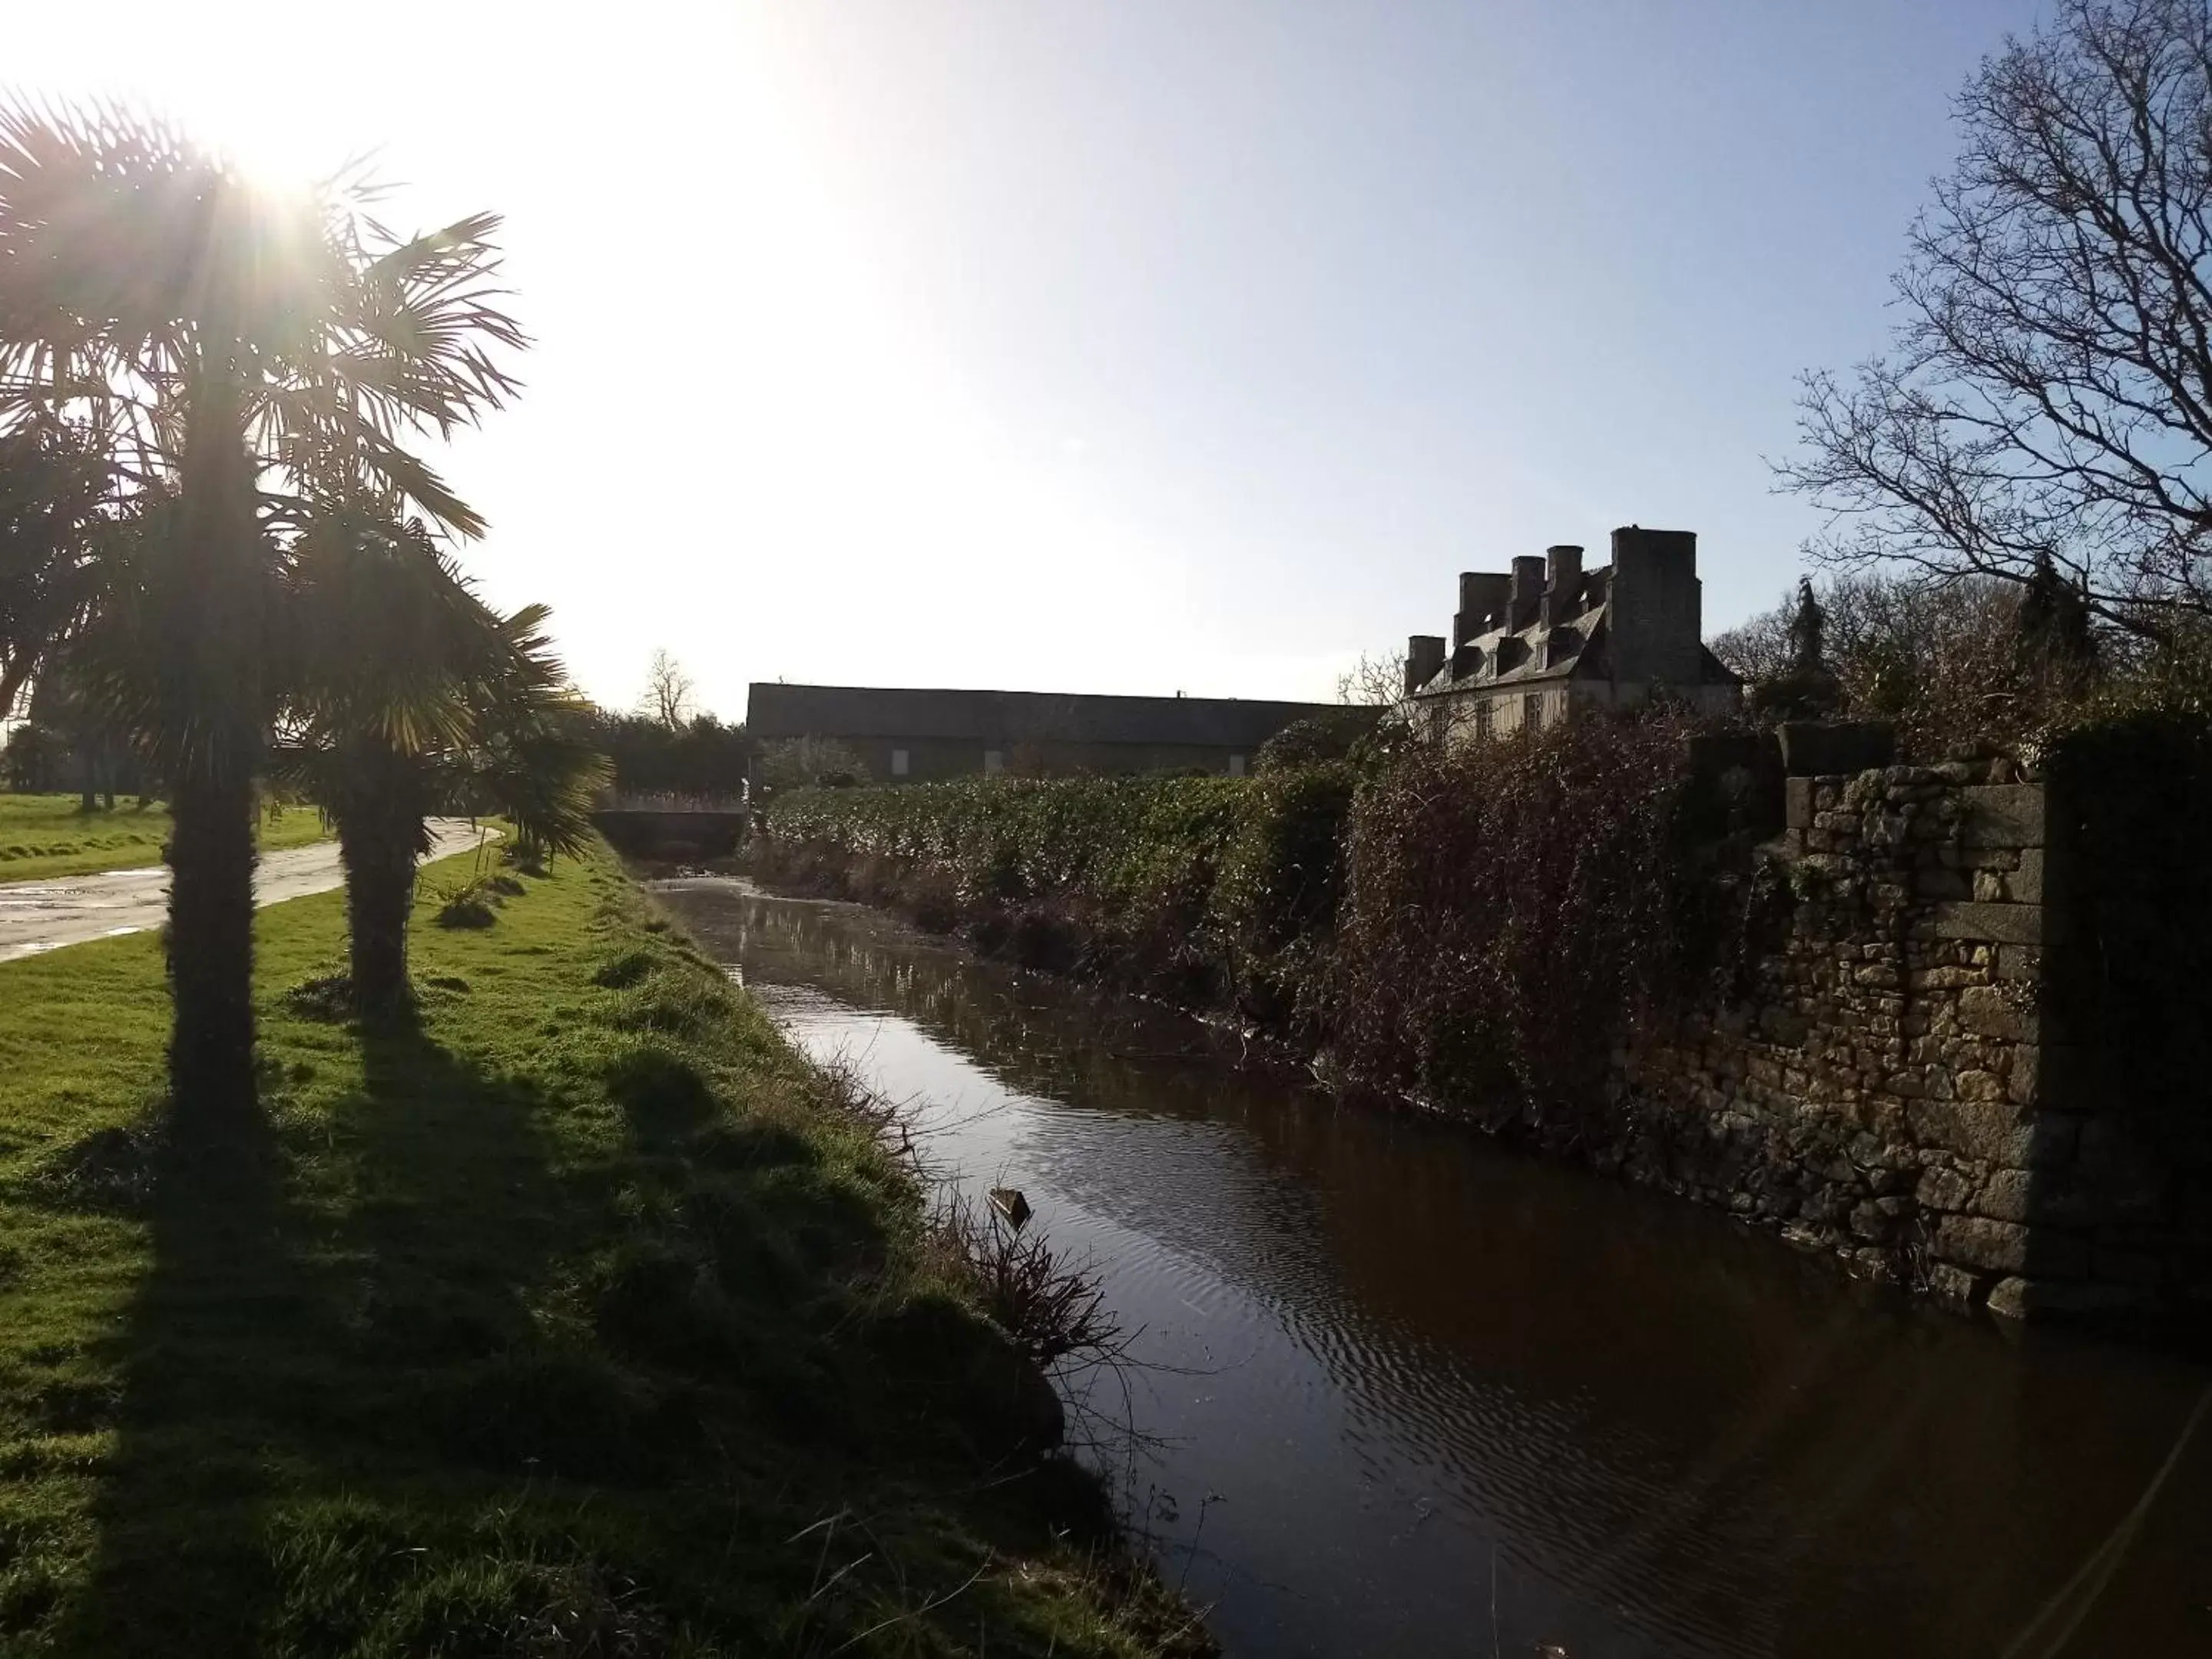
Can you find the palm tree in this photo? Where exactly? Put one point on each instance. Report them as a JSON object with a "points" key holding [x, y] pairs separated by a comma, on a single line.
{"points": [[52, 486], [224, 349], [408, 693]]}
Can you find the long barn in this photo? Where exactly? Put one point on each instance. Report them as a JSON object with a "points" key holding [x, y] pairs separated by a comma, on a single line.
{"points": [[899, 733]]}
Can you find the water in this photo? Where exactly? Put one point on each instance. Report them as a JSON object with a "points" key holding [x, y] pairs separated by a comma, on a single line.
{"points": [[1411, 1393]]}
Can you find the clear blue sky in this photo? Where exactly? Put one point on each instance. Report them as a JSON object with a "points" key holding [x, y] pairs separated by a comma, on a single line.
{"points": [[1120, 345]]}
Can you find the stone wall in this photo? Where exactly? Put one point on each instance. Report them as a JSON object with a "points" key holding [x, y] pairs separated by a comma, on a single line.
{"points": [[1906, 1073]]}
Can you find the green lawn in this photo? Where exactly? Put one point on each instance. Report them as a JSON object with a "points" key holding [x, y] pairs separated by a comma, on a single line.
{"points": [[580, 1318], [46, 836]]}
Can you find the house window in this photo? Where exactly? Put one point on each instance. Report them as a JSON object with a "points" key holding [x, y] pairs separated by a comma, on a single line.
{"points": [[1532, 711], [1237, 766], [898, 763], [993, 763], [1484, 712]]}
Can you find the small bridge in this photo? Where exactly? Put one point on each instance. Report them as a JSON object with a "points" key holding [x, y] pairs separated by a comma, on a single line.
{"points": [[673, 827]]}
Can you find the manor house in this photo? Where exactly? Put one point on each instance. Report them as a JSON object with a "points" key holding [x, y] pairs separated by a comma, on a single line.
{"points": [[1530, 645]]}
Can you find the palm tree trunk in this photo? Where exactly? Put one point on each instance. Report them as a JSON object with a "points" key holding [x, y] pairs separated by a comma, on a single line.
{"points": [[380, 834], [380, 871], [211, 941], [214, 598]]}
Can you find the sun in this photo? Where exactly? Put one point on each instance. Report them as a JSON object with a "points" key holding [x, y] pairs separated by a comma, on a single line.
{"points": [[266, 154]]}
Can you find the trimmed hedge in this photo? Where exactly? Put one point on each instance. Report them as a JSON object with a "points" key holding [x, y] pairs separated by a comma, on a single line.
{"points": [[1476, 928], [1213, 891]]}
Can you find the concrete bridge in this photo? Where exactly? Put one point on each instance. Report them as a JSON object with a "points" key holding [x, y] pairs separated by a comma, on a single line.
{"points": [[675, 827]]}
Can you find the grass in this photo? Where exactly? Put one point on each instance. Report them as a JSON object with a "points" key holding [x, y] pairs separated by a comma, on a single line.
{"points": [[43, 838], [576, 1316]]}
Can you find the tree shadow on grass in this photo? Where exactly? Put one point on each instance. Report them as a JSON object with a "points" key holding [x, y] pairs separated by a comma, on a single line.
{"points": [[358, 1414], [226, 1324], [315, 1311]]}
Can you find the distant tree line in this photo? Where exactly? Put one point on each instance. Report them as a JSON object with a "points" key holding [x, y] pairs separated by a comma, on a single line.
{"points": [[701, 757], [1960, 663]]}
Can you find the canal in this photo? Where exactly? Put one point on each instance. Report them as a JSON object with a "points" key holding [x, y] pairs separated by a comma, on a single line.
{"points": [[1398, 1390]]}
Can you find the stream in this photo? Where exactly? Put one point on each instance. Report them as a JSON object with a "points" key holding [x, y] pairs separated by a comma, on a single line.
{"points": [[1396, 1389]]}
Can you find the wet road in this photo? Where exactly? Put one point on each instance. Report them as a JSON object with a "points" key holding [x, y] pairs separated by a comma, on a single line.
{"points": [[45, 916]]}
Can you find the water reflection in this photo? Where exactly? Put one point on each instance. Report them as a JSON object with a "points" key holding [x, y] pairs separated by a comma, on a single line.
{"points": [[1429, 1378]]}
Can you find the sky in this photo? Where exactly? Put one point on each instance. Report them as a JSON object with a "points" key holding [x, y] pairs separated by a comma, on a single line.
{"points": [[1108, 345]]}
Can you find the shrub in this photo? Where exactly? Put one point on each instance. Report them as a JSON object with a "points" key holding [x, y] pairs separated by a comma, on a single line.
{"points": [[1511, 909], [1316, 739], [467, 904], [1479, 928], [1209, 888]]}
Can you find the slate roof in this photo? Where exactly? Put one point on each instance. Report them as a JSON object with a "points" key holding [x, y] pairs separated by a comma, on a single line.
{"points": [[1542, 655], [1004, 718]]}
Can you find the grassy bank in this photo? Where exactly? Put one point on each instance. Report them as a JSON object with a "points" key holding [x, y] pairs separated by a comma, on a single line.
{"points": [[43, 837], [578, 1317]]}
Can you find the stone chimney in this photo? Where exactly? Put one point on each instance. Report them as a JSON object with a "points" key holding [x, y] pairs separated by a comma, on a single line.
{"points": [[1425, 655], [1563, 583], [1525, 592], [1481, 596], [1657, 627]]}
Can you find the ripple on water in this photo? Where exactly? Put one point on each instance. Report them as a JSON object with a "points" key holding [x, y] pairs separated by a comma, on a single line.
{"points": [[1414, 1368]]}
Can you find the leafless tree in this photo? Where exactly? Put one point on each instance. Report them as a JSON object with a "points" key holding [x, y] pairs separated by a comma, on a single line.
{"points": [[1372, 682], [669, 694], [2049, 394], [1951, 662]]}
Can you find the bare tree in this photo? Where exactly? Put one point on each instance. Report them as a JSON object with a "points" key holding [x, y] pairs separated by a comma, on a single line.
{"points": [[1372, 682], [670, 696], [2049, 396], [1952, 663]]}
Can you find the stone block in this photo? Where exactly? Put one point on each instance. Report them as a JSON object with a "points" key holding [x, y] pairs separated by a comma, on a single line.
{"points": [[1943, 1188], [1784, 1027], [1978, 1086], [1994, 924], [2019, 963], [2073, 1075], [1980, 1242], [1826, 748], [1992, 1011], [2120, 1267], [2003, 815], [1951, 1284], [1797, 803], [1992, 1130], [2067, 1198], [2008, 1247], [1868, 1222], [2020, 1298], [2006, 1195], [2025, 882], [1942, 882]]}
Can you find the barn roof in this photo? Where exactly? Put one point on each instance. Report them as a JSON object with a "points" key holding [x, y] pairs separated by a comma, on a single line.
{"points": [[1007, 718]]}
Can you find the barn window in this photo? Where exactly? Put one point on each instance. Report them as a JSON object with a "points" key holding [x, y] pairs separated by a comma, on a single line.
{"points": [[898, 763], [1237, 766], [993, 763]]}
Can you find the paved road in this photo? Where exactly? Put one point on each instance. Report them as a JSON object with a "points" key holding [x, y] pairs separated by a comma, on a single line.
{"points": [[44, 915]]}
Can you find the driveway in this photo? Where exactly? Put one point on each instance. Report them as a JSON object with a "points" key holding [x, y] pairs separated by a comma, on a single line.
{"points": [[44, 915]]}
